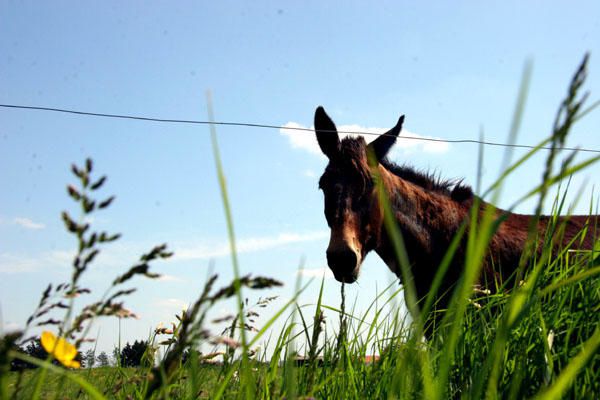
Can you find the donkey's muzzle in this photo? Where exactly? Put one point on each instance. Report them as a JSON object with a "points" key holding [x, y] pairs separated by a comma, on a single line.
{"points": [[344, 264]]}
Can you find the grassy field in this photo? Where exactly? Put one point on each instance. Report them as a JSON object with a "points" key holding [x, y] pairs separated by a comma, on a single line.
{"points": [[538, 339], [111, 382]]}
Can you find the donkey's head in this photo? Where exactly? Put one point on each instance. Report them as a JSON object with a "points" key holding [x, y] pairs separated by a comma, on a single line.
{"points": [[352, 208]]}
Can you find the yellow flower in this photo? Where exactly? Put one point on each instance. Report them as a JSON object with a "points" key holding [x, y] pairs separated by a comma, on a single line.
{"points": [[62, 350]]}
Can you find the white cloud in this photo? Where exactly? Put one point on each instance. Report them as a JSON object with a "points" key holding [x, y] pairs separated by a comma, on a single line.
{"points": [[247, 245], [309, 173], [10, 327], [28, 223], [300, 139], [408, 142], [315, 273], [121, 255], [13, 264], [170, 278], [9, 263], [172, 303], [62, 257]]}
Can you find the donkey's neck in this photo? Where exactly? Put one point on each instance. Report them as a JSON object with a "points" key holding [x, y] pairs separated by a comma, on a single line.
{"points": [[428, 222], [430, 219]]}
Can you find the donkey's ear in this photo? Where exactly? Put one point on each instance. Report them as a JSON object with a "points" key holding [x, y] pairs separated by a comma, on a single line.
{"points": [[383, 143], [327, 136]]}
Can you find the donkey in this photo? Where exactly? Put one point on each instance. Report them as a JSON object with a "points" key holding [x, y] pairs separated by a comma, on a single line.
{"points": [[428, 211]]}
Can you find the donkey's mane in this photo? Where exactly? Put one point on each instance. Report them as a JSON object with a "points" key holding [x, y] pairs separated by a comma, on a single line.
{"points": [[353, 149], [453, 188]]}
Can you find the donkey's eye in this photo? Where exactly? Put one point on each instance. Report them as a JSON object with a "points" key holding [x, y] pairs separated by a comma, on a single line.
{"points": [[360, 202], [332, 190]]}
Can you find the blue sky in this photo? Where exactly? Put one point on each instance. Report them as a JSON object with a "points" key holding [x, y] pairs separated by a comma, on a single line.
{"points": [[453, 69]]}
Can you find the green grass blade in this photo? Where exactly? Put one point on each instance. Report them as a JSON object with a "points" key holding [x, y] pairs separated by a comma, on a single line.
{"points": [[567, 377], [246, 377], [276, 316], [47, 366], [555, 179]]}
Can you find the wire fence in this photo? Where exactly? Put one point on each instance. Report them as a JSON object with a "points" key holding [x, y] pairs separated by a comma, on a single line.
{"points": [[279, 127]]}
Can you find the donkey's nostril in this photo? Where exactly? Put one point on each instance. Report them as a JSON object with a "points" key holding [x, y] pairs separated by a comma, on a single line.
{"points": [[342, 259], [343, 264]]}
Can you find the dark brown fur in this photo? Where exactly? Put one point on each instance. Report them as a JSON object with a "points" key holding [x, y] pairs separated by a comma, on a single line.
{"points": [[429, 213]]}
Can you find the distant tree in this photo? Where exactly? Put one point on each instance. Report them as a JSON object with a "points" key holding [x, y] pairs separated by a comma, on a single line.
{"points": [[79, 357], [19, 365], [116, 356], [132, 355], [33, 349], [103, 360], [90, 358], [7, 343]]}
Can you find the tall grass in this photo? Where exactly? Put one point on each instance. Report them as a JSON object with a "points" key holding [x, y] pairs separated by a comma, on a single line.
{"points": [[538, 339]]}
